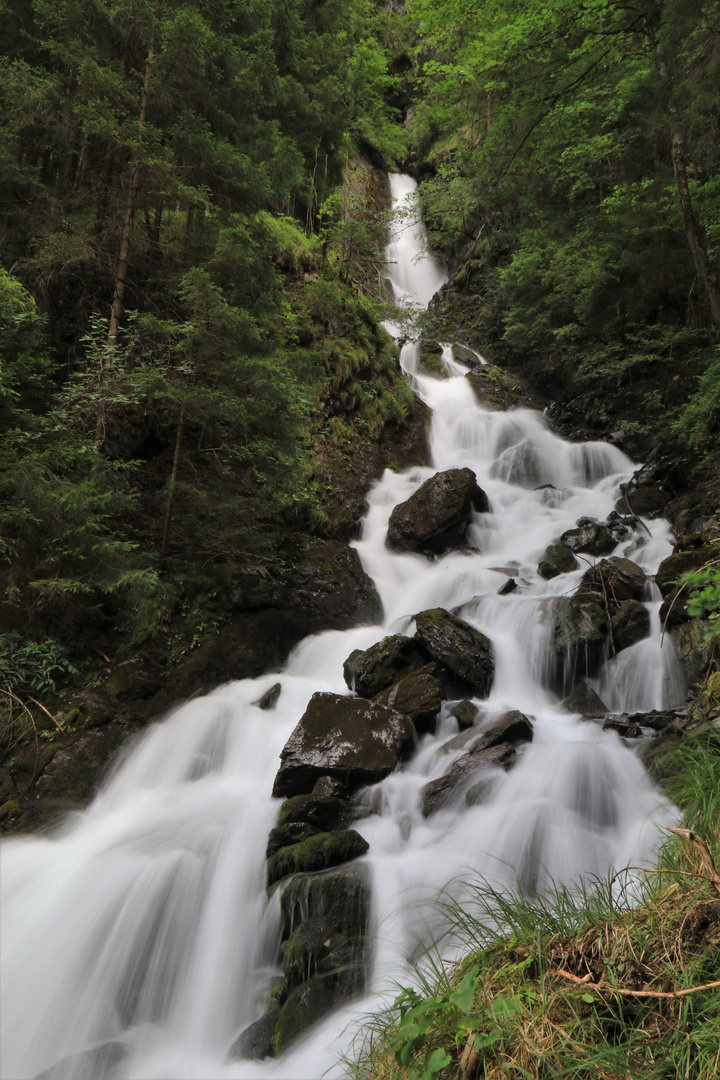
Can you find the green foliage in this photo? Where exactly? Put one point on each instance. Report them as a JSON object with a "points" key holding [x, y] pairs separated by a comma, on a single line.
{"points": [[37, 665]]}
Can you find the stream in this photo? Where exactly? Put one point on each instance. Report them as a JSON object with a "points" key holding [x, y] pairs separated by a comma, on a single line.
{"points": [[137, 937]]}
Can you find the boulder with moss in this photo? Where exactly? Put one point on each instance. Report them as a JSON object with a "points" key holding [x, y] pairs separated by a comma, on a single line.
{"points": [[417, 695], [589, 537], [558, 559], [354, 740], [369, 671], [459, 647], [318, 852], [435, 518], [630, 625]]}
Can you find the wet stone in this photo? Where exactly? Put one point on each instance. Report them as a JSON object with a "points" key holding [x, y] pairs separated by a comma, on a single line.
{"points": [[317, 852], [435, 794], [465, 713], [558, 559], [512, 726], [585, 701], [285, 835], [630, 625], [368, 672], [435, 518], [457, 646], [256, 1041], [416, 696], [589, 537], [270, 698]]}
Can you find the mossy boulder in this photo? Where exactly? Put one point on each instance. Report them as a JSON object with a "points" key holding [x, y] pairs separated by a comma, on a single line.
{"points": [[558, 559], [583, 700], [578, 637], [614, 580], [367, 672], [256, 1041], [324, 812], [457, 646], [589, 537], [342, 894], [317, 948], [354, 740], [512, 726], [418, 696], [630, 625], [497, 390], [306, 1005], [317, 852], [464, 355], [682, 562], [465, 713], [435, 518], [286, 835], [430, 359], [437, 792]]}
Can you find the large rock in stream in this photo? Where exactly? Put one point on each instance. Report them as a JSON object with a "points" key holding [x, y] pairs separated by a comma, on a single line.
{"points": [[457, 646], [370, 671], [356, 741], [435, 517]]}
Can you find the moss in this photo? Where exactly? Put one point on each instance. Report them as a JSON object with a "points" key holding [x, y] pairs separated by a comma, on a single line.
{"points": [[318, 852]]}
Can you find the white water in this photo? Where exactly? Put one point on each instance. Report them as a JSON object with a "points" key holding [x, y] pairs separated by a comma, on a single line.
{"points": [[143, 921]]}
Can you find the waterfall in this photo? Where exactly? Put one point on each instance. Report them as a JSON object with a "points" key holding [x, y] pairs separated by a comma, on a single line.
{"points": [[137, 939]]}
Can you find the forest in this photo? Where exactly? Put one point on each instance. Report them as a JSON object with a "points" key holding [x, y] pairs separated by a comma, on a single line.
{"points": [[196, 389]]}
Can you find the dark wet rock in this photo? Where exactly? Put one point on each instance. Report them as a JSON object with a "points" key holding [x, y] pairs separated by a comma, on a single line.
{"points": [[292, 833], [330, 785], [692, 649], [585, 701], [435, 794], [270, 698], [372, 670], [622, 727], [277, 992], [616, 579], [96, 709], [351, 739], [682, 562], [457, 646], [416, 696], [341, 894], [512, 726], [465, 713], [430, 359], [579, 629], [318, 852], [498, 390], [306, 1005], [647, 500], [463, 355], [620, 527], [630, 625], [520, 464], [658, 720], [589, 537], [558, 559], [436, 516], [482, 792], [104, 1060], [256, 1041], [306, 949], [324, 812], [674, 609], [508, 587]]}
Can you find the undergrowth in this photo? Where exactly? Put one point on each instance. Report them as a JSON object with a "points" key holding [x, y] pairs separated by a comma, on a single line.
{"points": [[577, 985]]}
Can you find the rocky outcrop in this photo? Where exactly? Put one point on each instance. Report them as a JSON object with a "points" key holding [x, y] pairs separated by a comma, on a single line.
{"points": [[558, 559], [416, 696], [496, 389], [583, 700], [354, 740], [457, 646], [435, 517], [316, 852], [589, 537], [435, 794], [613, 580], [578, 637], [630, 625], [367, 672], [430, 359], [462, 354], [512, 726]]}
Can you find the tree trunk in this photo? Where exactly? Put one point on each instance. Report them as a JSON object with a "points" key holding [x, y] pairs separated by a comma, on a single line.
{"points": [[171, 489], [692, 228]]}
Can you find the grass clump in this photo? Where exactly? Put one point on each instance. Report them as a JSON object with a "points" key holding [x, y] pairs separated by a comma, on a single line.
{"points": [[580, 985]]}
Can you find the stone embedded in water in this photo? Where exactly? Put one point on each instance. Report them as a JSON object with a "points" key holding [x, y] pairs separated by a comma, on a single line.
{"points": [[435, 517], [317, 852], [616, 578], [307, 1004], [436, 793], [256, 1041], [325, 812], [372, 670], [630, 625], [306, 948], [578, 639], [481, 793], [463, 355], [622, 727], [349, 738], [270, 698], [416, 695], [101, 1060], [343, 894], [558, 559], [585, 701], [589, 537], [512, 726], [465, 713], [430, 359], [459, 647], [285, 835]]}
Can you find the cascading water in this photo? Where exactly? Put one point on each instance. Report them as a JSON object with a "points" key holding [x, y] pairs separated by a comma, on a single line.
{"points": [[140, 930]]}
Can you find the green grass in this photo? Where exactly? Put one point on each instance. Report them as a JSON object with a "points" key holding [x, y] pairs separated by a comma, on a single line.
{"points": [[577, 985]]}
